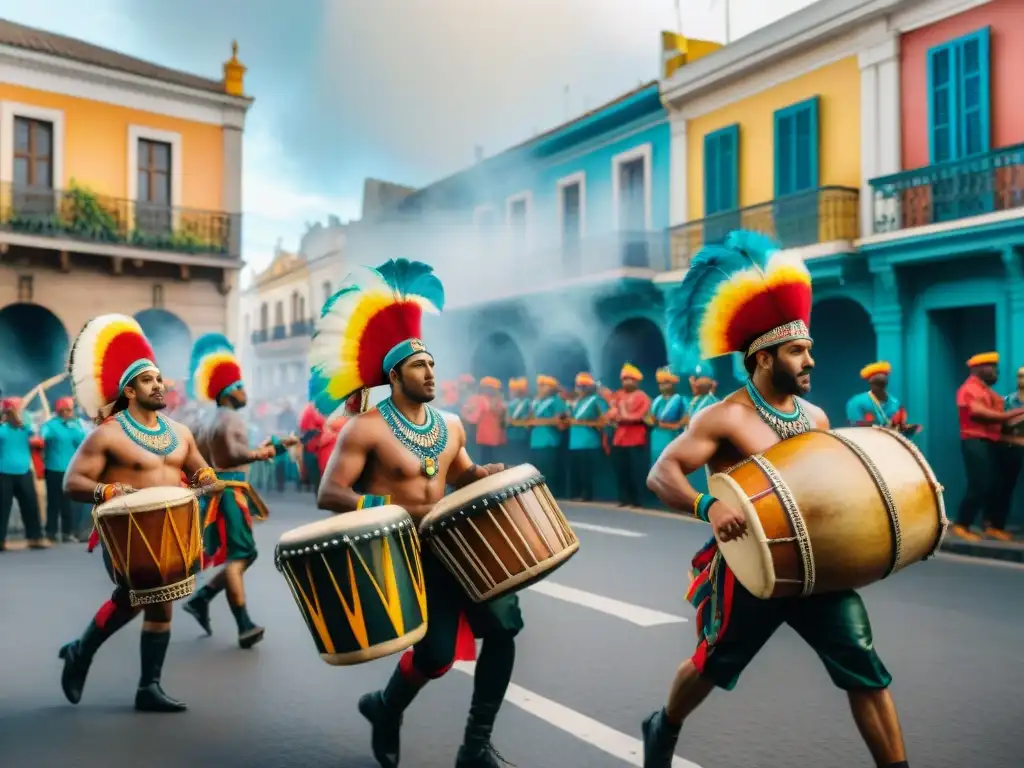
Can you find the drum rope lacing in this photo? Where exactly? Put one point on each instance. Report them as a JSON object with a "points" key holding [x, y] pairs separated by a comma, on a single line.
{"points": [[887, 498], [933, 481], [481, 503], [796, 520]]}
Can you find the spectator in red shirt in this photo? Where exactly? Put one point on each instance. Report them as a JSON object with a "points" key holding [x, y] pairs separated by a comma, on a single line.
{"points": [[491, 419], [982, 415], [629, 443], [329, 437]]}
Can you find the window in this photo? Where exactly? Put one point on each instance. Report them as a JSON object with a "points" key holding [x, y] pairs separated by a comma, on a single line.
{"points": [[158, 297], [153, 193], [264, 317], [33, 167], [33, 153], [517, 216], [278, 319], [25, 288], [721, 170], [796, 148], [632, 195], [958, 97]]}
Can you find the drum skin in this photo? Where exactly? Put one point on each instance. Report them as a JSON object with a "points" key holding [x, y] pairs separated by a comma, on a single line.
{"points": [[357, 580], [829, 511], [154, 540], [500, 534]]}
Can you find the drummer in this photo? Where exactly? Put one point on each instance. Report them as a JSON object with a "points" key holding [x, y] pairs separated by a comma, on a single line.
{"points": [[133, 447], [877, 407], [404, 452], [216, 377], [762, 310]]}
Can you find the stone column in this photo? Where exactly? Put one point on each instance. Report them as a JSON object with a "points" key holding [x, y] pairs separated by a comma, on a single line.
{"points": [[888, 321], [881, 149], [677, 171], [1013, 259]]}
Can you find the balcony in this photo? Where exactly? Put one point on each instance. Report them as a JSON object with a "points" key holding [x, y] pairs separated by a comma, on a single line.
{"points": [[822, 215], [302, 328], [259, 337], [949, 191], [78, 214]]}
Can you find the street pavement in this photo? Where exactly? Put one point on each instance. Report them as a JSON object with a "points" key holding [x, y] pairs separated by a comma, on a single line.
{"points": [[603, 637]]}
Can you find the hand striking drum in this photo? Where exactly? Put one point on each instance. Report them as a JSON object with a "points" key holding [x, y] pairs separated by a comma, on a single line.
{"points": [[802, 515], [404, 452], [150, 538], [216, 377]]}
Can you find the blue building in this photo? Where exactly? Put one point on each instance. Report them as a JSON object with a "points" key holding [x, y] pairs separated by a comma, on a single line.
{"points": [[548, 249]]}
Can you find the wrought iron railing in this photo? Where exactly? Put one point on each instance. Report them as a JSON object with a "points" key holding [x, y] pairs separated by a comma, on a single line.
{"points": [[302, 328], [822, 215], [949, 191], [78, 213], [258, 337]]}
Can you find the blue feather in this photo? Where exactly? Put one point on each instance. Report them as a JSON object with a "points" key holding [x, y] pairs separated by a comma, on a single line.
{"points": [[333, 299], [205, 345], [318, 395], [413, 278], [712, 266]]}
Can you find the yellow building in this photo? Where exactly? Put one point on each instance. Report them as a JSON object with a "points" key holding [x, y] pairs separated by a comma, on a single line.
{"points": [[120, 191]]}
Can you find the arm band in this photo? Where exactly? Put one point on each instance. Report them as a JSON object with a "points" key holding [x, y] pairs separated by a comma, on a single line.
{"points": [[367, 501], [278, 446], [702, 504]]}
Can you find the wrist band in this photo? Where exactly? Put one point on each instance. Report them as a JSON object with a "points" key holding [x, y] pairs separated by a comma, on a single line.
{"points": [[369, 500], [702, 504], [98, 493], [278, 446]]}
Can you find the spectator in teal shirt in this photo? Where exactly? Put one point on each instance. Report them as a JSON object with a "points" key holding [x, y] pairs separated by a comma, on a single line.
{"points": [[518, 433], [16, 480], [547, 422], [585, 438], [61, 435]]}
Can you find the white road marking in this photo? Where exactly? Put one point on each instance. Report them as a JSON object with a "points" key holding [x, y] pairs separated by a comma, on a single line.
{"points": [[605, 529], [615, 743], [635, 614]]}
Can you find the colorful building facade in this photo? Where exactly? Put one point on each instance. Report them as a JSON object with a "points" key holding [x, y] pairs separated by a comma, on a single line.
{"points": [[548, 249], [882, 141], [120, 191]]}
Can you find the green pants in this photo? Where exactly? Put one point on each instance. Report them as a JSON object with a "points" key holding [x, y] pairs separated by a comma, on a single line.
{"points": [[980, 458], [446, 601], [229, 536], [835, 625]]}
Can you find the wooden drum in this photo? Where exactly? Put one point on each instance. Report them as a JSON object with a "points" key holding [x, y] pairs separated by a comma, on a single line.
{"points": [[500, 534], [358, 581], [828, 511], [154, 540]]}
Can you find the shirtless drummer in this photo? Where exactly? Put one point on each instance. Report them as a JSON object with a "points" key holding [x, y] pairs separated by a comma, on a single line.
{"points": [[747, 297], [117, 383], [404, 452], [216, 377]]}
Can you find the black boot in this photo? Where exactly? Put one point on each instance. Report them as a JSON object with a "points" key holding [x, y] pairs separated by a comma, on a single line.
{"points": [[248, 633], [151, 697], [77, 654], [660, 738], [493, 673], [198, 606], [384, 711]]}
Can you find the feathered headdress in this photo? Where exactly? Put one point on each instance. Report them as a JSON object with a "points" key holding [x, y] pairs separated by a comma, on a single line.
{"points": [[213, 368], [368, 327], [110, 351], [743, 296]]}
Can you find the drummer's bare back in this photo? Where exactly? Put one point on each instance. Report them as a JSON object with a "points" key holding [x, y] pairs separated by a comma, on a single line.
{"points": [[369, 457], [222, 438], [731, 431], [108, 455]]}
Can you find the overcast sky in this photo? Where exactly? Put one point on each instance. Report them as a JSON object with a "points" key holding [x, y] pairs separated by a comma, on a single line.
{"points": [[395, 89]]}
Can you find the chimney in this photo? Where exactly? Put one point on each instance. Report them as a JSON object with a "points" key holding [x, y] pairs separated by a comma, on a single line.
{"points": [[234, 73]]}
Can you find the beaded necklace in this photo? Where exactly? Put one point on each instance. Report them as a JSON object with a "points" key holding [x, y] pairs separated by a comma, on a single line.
{"points": [[426, 441], [162, 441], [785, 425]]}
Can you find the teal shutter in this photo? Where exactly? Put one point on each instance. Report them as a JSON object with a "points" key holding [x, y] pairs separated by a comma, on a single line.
{"points": [[721, 170]]}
